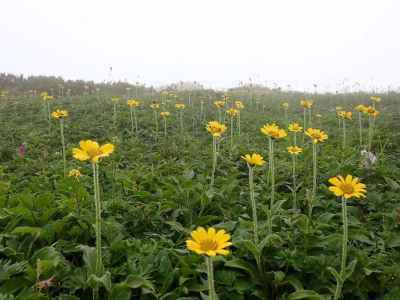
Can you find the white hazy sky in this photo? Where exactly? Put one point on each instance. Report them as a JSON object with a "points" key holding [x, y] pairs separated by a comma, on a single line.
{"points": [[216, 42]]}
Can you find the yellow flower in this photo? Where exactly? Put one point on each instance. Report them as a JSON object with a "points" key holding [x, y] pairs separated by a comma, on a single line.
{"points": [[254, 159], [306, 103], [317, 135], [295, 127], [155, 105], [348, 187], [114, 99], [180, 106], [273, 131], [165, 114], [294, 150], [232, 112], [375, 98], [371, 111], [239, 104], [209, 242], [75, 173], [59, 114], [48, 98], [43, 95], [345, 115], [318, 115], [361, 108], [90, 150], [219, 103], [133, 103], [285, 105], [215, 128], [339, 108]]}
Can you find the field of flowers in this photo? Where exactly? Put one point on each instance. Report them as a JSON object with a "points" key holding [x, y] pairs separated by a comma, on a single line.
{"points": [[275, 196]]}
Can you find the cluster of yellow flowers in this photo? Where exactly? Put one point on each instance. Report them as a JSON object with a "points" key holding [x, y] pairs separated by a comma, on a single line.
{"points": [[92, 151], [273, 131], [307, 104], [215, 128], [316, 135], [369, 110], [239, 104], [165, 114], [133, 103], [219, 103], [345, 114], [60, 114], [295, 127], [180, 106], [232, 112], [254, 159]]}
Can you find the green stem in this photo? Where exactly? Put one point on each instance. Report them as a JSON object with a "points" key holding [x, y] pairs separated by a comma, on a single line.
{"points": [[99, 263], [238, 123], [294, 181], [136, 121], [181, 120], [210, 278], [165, 126], [231, 133], [340, 283], [344, 133], [63, 146], [131, 117], [360, 128], [253, 204], [314, 187], [214, 162]]}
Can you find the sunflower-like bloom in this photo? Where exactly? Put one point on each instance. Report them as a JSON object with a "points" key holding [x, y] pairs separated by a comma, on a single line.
{"points": [[75, 173], [114, 99], [375, 98], [165, 114], [294, 150], [345, 115], [317, 135], [133, 103], [371, 111], [210, 242], [60, 114], [232, 112], [92, 151], [43, 94], [219, 103], [254, 159], [306, 103], [215, 128], [180, 106], [273, 131], [285, 105], [361, 108], [155, 105], [295, 127], [348, 187], [48, 98], [239, 104]]}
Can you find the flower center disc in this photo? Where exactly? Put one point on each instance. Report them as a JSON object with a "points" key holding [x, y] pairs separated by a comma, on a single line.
{"points": [[208, 244], [347, 188]]}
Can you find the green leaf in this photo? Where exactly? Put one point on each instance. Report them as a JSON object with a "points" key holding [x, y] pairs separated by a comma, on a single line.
{"points": [[306, 294]]}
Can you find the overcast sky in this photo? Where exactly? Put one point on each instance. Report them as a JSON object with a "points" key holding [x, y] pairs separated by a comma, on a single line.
{"points": [[216, 42]]}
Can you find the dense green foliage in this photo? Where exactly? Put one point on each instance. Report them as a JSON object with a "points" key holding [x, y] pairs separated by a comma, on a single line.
{"points": [[155, 190]]}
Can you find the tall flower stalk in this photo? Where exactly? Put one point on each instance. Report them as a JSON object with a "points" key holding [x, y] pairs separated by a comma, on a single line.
{"points": [[216, 129], [307, 105], [115, 103], [155, 106], [285, 106], [133, 104], [91, 151], [164, 115], [372, 115], [345, 188], [294, 151], [180, 107], [253, 161], [344, 115], [220, 105], [273, 132], [209, 243], [239, 106], [317, 136], [61, 115], [361, 109], [232, 112]]}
